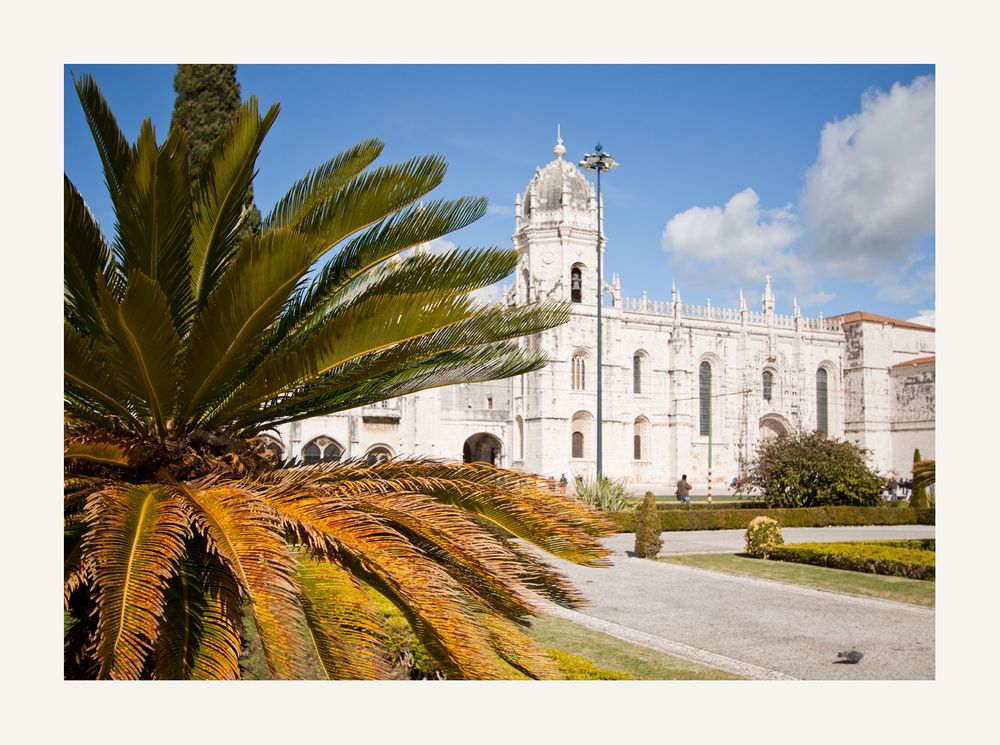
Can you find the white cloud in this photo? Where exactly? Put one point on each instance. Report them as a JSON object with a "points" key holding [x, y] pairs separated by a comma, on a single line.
{"points": [[869, 196], [907, 288], [926, 317], [816, 299], [740, 236]]}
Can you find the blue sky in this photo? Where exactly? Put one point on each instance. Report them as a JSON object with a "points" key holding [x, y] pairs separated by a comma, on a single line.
{"points": [[822, 175]]}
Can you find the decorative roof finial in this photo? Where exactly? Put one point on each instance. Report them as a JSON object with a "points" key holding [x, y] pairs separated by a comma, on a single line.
{"points": [[559, 150], [767, 299]]}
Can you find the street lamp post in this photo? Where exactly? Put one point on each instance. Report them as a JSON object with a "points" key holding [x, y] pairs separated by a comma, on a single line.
{"points": [[599, 161]]}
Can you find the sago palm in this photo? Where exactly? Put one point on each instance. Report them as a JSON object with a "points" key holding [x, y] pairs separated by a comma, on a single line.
{"points": [[183, 342]]}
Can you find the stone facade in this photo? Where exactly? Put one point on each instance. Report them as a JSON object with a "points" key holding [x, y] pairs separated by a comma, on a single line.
{"points": [[676, 376]]}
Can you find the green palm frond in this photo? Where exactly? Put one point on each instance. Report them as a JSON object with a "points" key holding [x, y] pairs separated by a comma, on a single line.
{"points": [[116, 155], [143, 346], [199, 637], [377, 380], [91, 390], [154, 218], [248, 300], [371, 197], [310, 193], [345, 627], [220, 193], [388, 238], [85, 255], [470, 350], [361, 328], [135, 537]]}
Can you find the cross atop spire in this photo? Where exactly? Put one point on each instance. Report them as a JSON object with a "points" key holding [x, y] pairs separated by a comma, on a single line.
{"points": [[559, 149]]}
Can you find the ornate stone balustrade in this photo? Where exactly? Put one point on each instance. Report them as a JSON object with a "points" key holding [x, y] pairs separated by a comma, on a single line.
{"points": [[709, 312]]}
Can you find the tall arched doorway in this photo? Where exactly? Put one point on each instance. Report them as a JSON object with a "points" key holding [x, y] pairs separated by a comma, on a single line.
{"points": [[773, 425], [482, 448]]}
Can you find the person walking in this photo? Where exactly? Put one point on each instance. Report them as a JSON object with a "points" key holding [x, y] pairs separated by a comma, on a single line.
{"points": [[684, 490]]}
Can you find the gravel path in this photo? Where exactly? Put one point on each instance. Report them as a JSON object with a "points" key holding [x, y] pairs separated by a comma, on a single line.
{"points": [[753, 627]]}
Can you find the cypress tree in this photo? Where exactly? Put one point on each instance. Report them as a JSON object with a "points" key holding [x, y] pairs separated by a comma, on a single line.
{"points": [[208, 97], [918, 497], [647, 530]]}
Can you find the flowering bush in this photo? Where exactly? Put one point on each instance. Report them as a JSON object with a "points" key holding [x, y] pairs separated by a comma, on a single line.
{"points": [[762, 534]]}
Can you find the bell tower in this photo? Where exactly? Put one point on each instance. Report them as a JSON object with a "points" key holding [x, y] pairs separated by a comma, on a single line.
{"points": [[555, 234]]}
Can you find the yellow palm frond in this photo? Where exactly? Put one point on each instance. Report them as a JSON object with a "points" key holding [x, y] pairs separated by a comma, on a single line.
{"points": [[518, 649], [109, 453], [345, 627], [435, 605], [241, 530], [200, 634], [135, 537]]}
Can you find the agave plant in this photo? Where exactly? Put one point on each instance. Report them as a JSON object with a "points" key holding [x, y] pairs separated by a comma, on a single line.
{"points": [[183, 342], [604, 494]]}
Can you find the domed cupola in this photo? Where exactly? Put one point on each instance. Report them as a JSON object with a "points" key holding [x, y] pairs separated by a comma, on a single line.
{"points": [[558, 185]]}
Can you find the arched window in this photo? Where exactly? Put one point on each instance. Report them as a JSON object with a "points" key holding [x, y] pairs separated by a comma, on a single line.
{"points": [[640, 437], [321, 450], [272, 446], [580, 427], [378, 454], [767, 383], [822, 418], [704, 398], [520, 438], [576, 285], [637, 373], [579, 372]]}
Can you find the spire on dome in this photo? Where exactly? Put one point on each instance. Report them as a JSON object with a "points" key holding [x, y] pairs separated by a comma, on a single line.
{"points": [[559, 150]]}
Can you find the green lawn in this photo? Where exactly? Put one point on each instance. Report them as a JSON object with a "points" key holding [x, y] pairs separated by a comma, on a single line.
{"points": [[610, 653], [901, 589]]}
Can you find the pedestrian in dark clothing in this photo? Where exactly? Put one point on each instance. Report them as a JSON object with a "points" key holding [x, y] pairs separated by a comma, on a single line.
{"points": [[684, 490]]}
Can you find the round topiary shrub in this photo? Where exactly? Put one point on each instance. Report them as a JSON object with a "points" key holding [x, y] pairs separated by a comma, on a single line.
{"points": [[762, 534]]}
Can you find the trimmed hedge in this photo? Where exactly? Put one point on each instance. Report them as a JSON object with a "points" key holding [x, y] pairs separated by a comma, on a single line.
{"points": [[755, 504], [791, 517], [925, 516], [872, 557]]}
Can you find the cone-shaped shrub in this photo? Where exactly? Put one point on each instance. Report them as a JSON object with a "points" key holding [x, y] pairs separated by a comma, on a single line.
{"points": [[647, 530], [918, 497]]}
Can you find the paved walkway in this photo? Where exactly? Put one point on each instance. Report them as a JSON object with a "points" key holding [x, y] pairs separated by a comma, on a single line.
{"points": [[757, 628]]}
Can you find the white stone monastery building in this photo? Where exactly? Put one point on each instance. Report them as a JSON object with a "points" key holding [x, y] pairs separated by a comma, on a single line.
{"points": [[675, 376]]}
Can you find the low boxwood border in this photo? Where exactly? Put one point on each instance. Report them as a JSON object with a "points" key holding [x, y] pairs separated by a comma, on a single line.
{"points": [[747, 505], [871, 557], [794, 517]]}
